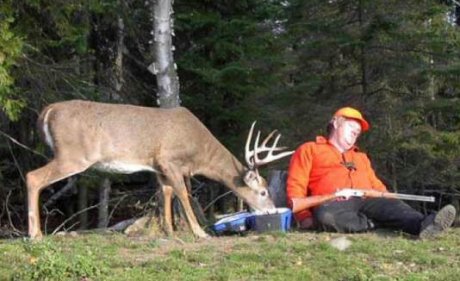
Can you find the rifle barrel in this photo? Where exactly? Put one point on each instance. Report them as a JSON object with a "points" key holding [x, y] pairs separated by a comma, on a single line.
{"points": [[413, 197]]}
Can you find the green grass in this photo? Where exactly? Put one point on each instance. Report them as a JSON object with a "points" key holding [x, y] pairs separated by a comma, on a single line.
{"points": [[273, 256]]}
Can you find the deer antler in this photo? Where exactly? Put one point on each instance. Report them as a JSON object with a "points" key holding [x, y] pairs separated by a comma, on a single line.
{"points": [[252, 158]]}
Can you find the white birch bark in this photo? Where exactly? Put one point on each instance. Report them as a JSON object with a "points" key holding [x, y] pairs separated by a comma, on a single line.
{"points": [[164, 67], [119, 81]]}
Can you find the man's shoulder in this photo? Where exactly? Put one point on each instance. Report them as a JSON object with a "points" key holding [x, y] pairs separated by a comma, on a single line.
{"points": [[319, 141]]}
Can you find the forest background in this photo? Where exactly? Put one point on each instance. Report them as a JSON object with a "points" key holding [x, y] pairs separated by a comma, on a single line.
{"points": [[288, 64]]}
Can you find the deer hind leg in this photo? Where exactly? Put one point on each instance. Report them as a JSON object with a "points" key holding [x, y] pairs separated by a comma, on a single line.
{"points": [[40, 178], [167, 215], [175, 179]]}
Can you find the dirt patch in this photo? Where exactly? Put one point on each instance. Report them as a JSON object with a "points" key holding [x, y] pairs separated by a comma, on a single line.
{"points": [[185, 242]]}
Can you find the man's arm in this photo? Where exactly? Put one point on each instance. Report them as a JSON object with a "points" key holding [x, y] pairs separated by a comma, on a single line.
{"points": [[300, 204], [298, 178], [298, 174]]}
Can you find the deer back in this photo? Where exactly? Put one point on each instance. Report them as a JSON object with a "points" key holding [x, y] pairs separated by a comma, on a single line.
{"points": [[102, 132]]}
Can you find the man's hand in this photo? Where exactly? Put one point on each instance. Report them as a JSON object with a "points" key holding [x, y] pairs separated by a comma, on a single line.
{"points": [[372, 193], [348, 192]]}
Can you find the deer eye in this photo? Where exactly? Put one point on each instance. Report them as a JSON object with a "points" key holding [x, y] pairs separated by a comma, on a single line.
{"points": [[263, 193]]}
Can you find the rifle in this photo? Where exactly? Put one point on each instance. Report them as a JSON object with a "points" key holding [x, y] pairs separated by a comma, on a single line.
{"points": [[348, 192]]}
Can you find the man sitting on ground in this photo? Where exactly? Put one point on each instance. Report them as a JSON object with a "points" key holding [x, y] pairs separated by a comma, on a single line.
{"points": [[319, 170]]}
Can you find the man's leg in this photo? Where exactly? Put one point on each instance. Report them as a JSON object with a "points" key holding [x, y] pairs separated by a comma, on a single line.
{"points": [[341, 216], [393, 213]]}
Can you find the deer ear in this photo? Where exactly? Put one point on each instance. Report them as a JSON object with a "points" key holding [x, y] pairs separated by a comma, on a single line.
{"points": [[251, 179]]}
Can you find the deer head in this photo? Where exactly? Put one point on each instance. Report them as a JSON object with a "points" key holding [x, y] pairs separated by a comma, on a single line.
{"points": [[261, 199]]}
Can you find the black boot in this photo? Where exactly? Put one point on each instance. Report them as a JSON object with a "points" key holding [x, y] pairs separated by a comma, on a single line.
{"points": [[434, 224]]}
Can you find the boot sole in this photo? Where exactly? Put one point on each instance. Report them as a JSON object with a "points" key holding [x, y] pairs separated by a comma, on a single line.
{"points": [[443, 220]]}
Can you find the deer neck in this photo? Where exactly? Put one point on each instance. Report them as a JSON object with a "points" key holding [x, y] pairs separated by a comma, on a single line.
{"points": [[226, 169]]}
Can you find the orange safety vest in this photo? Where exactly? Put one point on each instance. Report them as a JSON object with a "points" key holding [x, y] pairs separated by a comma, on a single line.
{"points": [[318, 168]]}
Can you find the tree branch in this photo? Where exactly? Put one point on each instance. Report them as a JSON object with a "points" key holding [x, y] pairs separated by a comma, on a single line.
{"points": [[22, 145]]}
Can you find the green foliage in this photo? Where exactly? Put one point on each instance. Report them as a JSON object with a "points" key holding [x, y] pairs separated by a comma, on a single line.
{"points": [[57, 28], [10, 51], [60, 47], [226, 54], [48, 261]]}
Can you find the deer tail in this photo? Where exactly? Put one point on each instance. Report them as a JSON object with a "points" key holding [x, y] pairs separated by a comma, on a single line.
{"points": [[43, 126]]}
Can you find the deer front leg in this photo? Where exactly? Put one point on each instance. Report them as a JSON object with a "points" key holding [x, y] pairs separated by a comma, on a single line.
{"points": [[182, 194], [175, 179]]}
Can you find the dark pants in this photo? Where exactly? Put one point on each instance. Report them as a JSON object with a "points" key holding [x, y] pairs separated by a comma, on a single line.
{"points": [[360, 215]]}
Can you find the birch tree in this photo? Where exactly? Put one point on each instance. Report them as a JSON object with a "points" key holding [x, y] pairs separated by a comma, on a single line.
{"points": [[164, 67]]}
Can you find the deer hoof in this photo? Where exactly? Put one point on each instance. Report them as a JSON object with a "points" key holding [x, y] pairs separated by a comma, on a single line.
{"points": [[200, 233], [36, 237]]}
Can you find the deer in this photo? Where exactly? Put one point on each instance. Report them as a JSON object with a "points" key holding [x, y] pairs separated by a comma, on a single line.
{"points": [[172, 143]]}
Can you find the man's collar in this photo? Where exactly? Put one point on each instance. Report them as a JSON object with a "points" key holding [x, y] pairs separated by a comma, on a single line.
{"points": [[323, 140]]}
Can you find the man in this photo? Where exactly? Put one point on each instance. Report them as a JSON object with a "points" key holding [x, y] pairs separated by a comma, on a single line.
{"points": [[320, 169]]}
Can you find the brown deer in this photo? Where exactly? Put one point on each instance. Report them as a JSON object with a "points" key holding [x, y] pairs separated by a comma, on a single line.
{"points": [[119, 138]]}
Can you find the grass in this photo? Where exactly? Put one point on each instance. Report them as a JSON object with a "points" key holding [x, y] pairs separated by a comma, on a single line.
{"points": [[272, 256]]}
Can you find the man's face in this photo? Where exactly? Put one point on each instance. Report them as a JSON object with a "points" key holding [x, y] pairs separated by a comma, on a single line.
{"points": [[347, 132]]}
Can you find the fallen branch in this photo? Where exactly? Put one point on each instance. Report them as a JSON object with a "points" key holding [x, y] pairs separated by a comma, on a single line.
{"points": [[122, 225], [73, 216]]}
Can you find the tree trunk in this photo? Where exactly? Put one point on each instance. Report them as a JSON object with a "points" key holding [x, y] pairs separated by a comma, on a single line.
{"points": [[457, 14], [363, 56], [119, 81], [82, 205], [164, 67], [104, 196]]}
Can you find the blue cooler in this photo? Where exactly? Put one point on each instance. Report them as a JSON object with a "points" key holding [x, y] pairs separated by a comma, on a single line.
{"points": [[279, 220], [236, 223]]}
